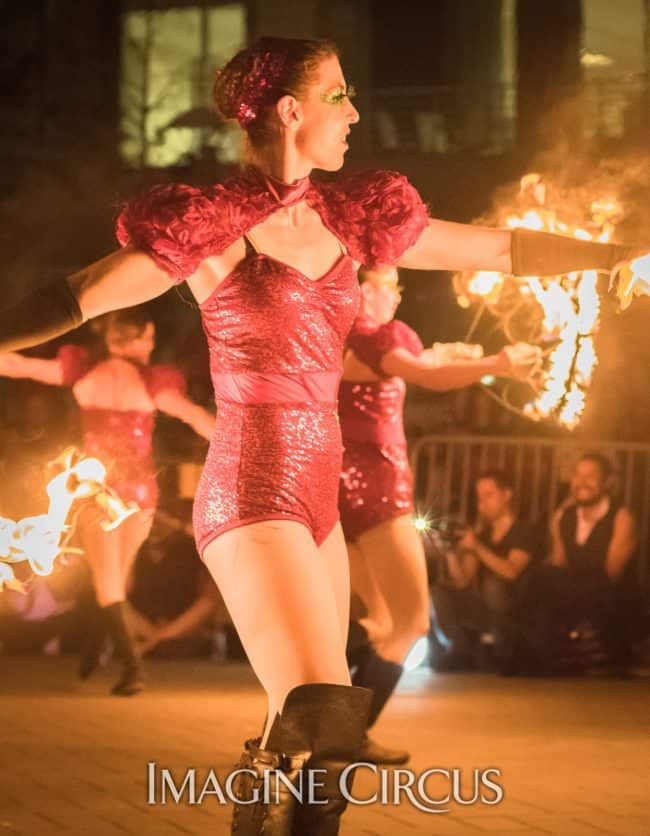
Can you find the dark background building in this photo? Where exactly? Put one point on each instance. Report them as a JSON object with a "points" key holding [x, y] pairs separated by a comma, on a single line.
{"points": [[100, 99]]}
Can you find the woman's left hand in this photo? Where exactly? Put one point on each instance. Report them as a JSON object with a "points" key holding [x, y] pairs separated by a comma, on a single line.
{"points": [[632, 279]]}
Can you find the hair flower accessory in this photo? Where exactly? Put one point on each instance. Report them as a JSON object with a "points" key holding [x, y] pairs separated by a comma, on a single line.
{"points": [[260, 87]]}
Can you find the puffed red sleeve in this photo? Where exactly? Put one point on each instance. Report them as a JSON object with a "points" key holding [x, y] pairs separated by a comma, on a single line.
{"points": [[377, 214], [370, 344], [162, 377], [75, 362], [177, 225]]}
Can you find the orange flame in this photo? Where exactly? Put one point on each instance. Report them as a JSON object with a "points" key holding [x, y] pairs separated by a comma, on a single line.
{"points": [[569, 304]]}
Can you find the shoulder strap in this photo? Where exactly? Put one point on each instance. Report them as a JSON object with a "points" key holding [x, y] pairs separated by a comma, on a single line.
{"points": [[251, 249]]}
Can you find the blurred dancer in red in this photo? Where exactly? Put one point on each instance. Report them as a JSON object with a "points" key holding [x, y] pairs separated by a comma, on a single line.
{"points": [[387, 563], [118, 396]]}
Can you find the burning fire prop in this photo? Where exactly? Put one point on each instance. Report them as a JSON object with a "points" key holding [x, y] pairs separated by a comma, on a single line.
{"points": [[632, 279], [559, 313], [40, 540]]}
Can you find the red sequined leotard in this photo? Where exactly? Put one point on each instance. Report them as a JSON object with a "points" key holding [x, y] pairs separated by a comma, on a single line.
{"points": [[121, 439], [275, 336], [376, 481]]}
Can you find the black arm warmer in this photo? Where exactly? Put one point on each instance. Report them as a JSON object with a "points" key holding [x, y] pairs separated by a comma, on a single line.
{"points": [[544, 254], [44, 314]]}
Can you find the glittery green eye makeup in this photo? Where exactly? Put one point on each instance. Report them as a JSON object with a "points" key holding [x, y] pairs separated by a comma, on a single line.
{"points": [[339, 95]]}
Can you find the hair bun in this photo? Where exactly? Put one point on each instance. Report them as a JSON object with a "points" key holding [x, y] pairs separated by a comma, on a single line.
{"points": [[229, 83], [256, 77]]}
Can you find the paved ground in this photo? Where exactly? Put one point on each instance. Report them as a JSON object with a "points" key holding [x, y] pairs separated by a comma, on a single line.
{"points": [[574, 754]]}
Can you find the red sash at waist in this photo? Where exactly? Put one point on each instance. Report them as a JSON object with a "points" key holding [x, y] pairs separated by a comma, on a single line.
{"points": [[263, 387], [382, 433]]}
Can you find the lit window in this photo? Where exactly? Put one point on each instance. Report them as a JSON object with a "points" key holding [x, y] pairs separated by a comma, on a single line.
{"points": [[168, 59]]}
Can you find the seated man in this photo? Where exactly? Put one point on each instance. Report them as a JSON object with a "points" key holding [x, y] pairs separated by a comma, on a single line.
{"points": [[484, 569], [172, 604], [590, 575]]}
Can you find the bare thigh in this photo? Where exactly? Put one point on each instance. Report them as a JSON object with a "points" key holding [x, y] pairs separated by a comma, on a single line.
{"points": [[333, 555], [133, 532], [285, 601], [102, 550], [110, 554]]}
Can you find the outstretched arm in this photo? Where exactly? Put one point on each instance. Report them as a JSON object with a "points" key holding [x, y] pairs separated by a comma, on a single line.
{"points": [[176, 404], [34, 368], [124, 278], [442, 378], [444, 245]]}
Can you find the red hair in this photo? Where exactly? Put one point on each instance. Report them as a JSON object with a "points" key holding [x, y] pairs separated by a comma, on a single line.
{"points": [[257, 77]]}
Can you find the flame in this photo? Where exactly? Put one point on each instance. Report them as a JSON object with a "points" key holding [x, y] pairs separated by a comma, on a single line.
{"points": [[569, 305], [486, 283], [41, 539]]}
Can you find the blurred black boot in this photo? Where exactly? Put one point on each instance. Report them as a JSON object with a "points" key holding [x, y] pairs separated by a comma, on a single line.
{"points": [[369, 670], [131, 681], [93, 643], [381, 676]]}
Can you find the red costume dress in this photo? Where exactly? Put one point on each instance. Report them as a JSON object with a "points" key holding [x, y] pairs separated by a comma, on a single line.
{"points": [[376, 481], [121, 439], [275, 336]]}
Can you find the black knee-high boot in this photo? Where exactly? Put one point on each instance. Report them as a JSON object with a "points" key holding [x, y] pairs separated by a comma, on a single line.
{"points": [[381, 677], [320, 728], [95, 635], [131, 681], [358, 645]]}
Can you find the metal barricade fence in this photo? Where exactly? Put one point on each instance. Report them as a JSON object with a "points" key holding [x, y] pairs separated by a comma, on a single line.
{"points": [[445, 468]]}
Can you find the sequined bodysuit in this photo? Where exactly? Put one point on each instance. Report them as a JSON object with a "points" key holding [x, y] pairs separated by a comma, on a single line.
{"points": [[376, 481], [275, 336], [121, 439]]}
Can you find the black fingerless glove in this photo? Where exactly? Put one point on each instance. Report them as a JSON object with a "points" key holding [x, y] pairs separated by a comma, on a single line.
{"points": [[46, 313], [545, 254]]}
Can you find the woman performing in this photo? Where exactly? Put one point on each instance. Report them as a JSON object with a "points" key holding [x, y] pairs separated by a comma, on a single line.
{"points": [[271, 258], [118, 397], [387, 562]]}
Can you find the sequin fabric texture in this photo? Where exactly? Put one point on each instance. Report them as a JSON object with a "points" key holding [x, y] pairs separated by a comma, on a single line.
{"points": [[272, 458], [275, 460], [121, 439], [376, 481]]}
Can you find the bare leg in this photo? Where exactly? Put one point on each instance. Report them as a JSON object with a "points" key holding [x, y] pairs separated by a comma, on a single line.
{"points": [[395, 559], [102, 550], [378, 621], [283, 601], [134, 532], [111, 553], [333, 556]]}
